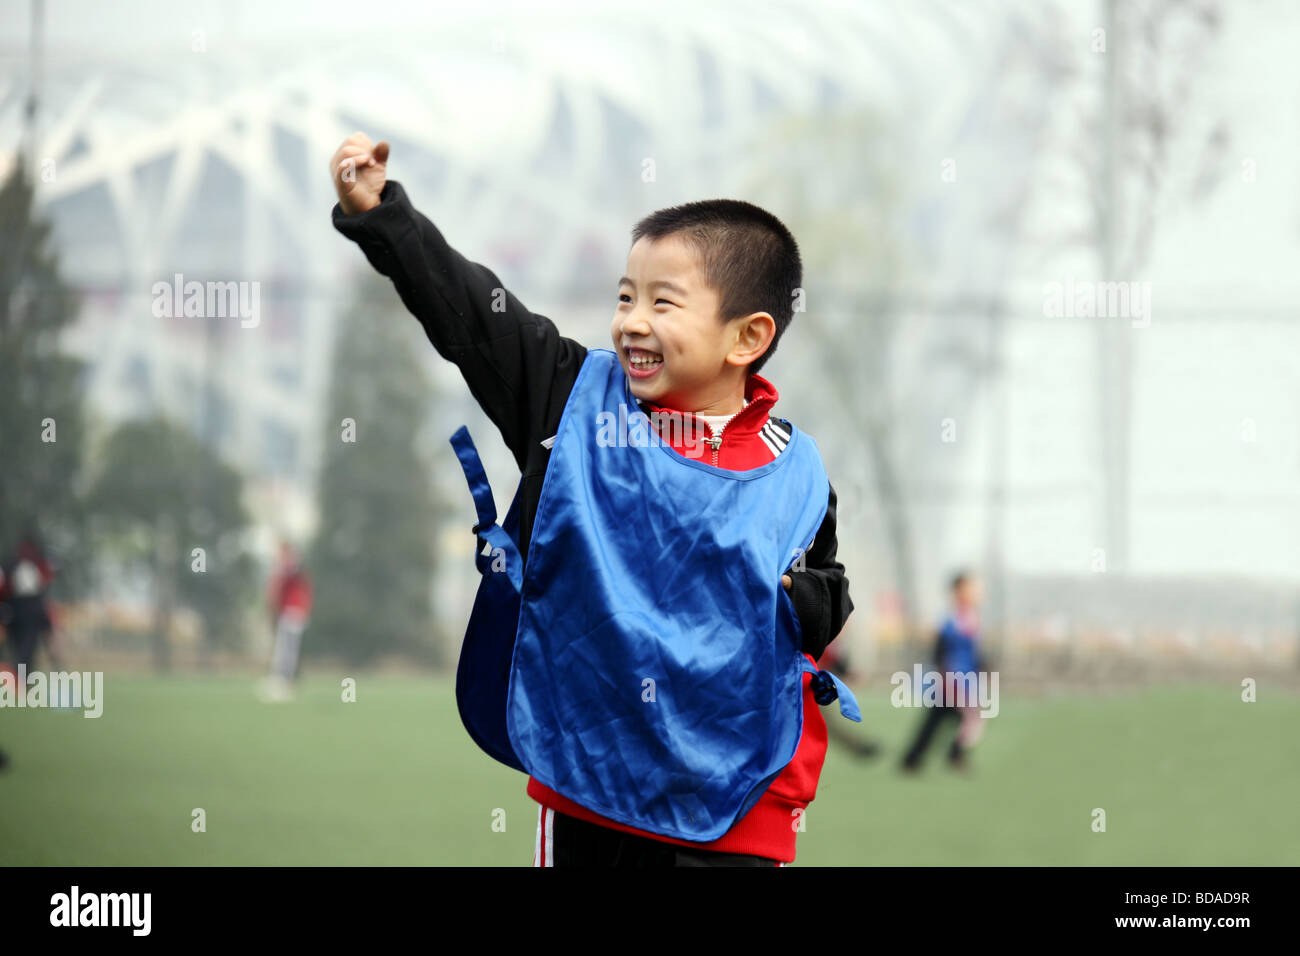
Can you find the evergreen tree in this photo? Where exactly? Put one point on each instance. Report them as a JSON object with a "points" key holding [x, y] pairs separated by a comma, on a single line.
{"points": [[161, 494], [373, 559], [41, 413]]}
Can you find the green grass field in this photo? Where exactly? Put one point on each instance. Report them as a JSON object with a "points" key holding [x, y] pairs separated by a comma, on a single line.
{"points": [[1186, 775]]}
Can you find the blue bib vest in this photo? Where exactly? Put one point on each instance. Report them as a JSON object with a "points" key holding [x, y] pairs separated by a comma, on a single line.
{"points": [[646, 662]]}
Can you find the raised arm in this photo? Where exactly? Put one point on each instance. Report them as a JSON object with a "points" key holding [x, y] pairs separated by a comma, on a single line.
{"points": [[517, 365]]}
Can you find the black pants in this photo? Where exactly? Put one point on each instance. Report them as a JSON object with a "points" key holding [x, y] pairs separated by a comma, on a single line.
{"points": [[574, 842], [934, 718], [25, 637]]}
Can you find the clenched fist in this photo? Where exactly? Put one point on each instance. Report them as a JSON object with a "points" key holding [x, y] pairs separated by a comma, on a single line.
{"points": [[359, 170]]}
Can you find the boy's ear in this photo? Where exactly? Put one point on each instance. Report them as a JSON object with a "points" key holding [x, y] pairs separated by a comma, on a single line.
{"points": [[754, 335]]}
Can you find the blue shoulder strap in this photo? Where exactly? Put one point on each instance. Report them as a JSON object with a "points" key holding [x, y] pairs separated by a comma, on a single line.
{"points": [[487, 528], [483, 671]]}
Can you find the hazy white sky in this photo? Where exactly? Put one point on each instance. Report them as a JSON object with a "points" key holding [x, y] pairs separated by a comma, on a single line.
{"points": [[1230, 258]]}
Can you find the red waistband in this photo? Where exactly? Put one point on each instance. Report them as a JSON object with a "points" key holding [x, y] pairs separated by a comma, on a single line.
{"points": [[767, 830]]}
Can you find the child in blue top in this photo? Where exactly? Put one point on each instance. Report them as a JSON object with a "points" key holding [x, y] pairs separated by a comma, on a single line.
{"points": [[956, 653]]}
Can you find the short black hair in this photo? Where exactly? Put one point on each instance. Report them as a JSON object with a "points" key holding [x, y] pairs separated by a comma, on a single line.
{"points": [[746, 255]]}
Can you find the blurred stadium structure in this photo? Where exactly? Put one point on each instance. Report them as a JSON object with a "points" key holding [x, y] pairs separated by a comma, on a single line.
{"points": [[1131, 492]]}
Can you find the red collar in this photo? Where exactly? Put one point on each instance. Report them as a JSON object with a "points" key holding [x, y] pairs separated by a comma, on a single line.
{"points": [[761, 395]]}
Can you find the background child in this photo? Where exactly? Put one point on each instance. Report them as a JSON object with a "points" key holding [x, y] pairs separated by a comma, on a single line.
{"points": [[24, 609], [289, 597], [956, 652]]}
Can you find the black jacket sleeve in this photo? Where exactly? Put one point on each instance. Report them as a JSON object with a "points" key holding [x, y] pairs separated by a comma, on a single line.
{"points": [[820, 591], [517, 365]]}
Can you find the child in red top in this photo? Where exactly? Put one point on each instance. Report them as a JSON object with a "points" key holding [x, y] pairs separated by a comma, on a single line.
{"points": [[289, 597]]}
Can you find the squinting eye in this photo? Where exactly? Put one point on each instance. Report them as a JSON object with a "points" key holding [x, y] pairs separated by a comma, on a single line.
{"points": [[657, 301]]}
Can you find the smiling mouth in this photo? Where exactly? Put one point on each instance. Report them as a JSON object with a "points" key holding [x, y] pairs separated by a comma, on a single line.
{"points": [[644, 360]]}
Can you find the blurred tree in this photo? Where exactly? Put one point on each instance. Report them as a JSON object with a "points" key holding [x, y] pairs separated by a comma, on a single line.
{"points": [[904, 315], [1143, 142], [847, 222], [41, 413], [148, 505], [373, 559]]}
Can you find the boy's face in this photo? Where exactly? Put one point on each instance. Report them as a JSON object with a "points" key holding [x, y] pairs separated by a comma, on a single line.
{"points": [[666, 313], [970, 593]]}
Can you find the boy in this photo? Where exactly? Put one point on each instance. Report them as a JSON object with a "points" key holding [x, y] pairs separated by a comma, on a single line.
{"points": [[956, 652], [675, 357]]}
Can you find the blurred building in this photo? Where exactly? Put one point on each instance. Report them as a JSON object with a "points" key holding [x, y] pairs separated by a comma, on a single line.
{"points": [[194, 143]]}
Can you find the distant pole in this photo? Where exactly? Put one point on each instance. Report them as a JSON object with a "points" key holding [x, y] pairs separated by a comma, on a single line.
{"points": [[1111, 339], [25, 157], [997, 620], [31, 112]]}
